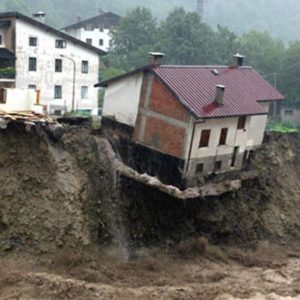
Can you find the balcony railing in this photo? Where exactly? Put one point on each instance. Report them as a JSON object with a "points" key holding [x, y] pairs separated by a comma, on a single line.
{"points": [[7, 73]]}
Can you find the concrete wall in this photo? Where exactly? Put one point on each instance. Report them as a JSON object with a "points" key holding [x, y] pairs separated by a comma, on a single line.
{"points": [[121, 99], [290, 114], [45, 78], [246, 139]]}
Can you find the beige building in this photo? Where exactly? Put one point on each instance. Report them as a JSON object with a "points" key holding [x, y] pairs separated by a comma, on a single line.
{"points": [[189, 121]]}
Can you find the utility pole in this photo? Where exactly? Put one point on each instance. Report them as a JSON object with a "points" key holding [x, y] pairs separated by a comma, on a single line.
{"points": [[200, 7]]}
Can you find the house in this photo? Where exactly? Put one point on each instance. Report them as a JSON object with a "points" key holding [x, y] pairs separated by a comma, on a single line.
{"points": [[290, 114], [96, 30], [186, 122], [37, 56]]}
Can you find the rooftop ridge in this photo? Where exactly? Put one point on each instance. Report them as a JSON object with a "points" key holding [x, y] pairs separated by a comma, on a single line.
{"points": [[202, 66]]}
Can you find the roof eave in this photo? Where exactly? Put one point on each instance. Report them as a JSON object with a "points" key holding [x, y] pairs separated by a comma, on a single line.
{"points": [[46, 27]]}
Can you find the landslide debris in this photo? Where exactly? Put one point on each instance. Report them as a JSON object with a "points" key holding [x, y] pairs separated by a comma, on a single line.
{"points": [[67, 193]]}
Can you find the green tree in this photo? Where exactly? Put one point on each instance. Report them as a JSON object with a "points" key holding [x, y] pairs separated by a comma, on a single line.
{"points": [[263, 52], [133, 39], [290, 74], [226, 44], [185, 39]]}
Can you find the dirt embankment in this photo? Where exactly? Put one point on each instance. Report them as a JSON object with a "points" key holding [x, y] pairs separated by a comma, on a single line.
{"points": [[65, 195]]}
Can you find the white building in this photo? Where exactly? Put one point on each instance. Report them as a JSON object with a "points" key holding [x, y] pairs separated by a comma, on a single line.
{"points": [[62, 67], [190, 120], [95, 31]]}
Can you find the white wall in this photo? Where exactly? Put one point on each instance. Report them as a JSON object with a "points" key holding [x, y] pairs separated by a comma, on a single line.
{"points": [[3, 34], [95, 35], [19, 100], [121, 99], [45, 78], [248, 138]]}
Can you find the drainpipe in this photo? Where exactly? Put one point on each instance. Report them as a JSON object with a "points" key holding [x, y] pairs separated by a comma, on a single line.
{"points": [[192, 143]]}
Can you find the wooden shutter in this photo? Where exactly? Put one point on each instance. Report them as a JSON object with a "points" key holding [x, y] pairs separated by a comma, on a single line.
{"points": [[242, 122], [223, 136], [204, 140]]}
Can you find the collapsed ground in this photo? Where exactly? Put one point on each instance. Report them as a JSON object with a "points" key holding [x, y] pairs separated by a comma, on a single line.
{"points": [[58, 196]]}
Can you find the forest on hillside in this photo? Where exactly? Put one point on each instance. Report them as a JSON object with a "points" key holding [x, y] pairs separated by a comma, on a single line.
{"points": [[185, 37], [280, 18]]}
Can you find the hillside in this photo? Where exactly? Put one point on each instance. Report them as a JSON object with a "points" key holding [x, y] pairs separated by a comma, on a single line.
{"points": [[281, 18]]}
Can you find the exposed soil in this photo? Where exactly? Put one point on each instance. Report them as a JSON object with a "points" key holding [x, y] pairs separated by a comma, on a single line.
{"points": [[66, 220]]}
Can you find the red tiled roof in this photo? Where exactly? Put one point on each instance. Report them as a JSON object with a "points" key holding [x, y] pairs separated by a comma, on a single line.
{"points": [[195, 87]]}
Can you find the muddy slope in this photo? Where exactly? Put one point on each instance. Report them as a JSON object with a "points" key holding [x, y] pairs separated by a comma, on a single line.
{"points": [[265, 208], [50, 193], [63, 194]]}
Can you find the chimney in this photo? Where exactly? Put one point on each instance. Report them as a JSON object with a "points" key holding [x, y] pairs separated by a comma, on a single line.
{"points": [[237, 61], [219, 98], [78, 18], [40, 16], [155, 58]]}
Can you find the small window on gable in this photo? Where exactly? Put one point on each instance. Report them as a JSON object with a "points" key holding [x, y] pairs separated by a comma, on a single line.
{"points": [[101, 42], [199, 168], [84, 92], [84, 66], [223, 136], [242, 122], [89, 27], [89, 41], [60, 44], [32, 41], [204, 139], [218, 165], [32, 86]]}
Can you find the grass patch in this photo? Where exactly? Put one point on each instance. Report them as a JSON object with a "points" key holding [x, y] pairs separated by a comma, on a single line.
{"points": [[282, 127]]}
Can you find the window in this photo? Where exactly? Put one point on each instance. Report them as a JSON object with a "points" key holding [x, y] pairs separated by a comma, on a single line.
{"points": [[84, 66], [204, 140], [101, 42], [84, 92], [199, 168], [223, 136], [32, 41], [89, 41], [242, 122], [32, 64], [58, 92], [89, 27], [60, 44], [218, 165], [32, 86], [58, 65], [0, 39], [288, 112]]}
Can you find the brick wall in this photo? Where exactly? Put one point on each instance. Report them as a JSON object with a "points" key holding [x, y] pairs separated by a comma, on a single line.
{"points": [[164, 102], [162, 120]]}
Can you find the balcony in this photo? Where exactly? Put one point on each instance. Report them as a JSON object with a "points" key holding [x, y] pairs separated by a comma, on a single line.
{"points": [[7, 74]]}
